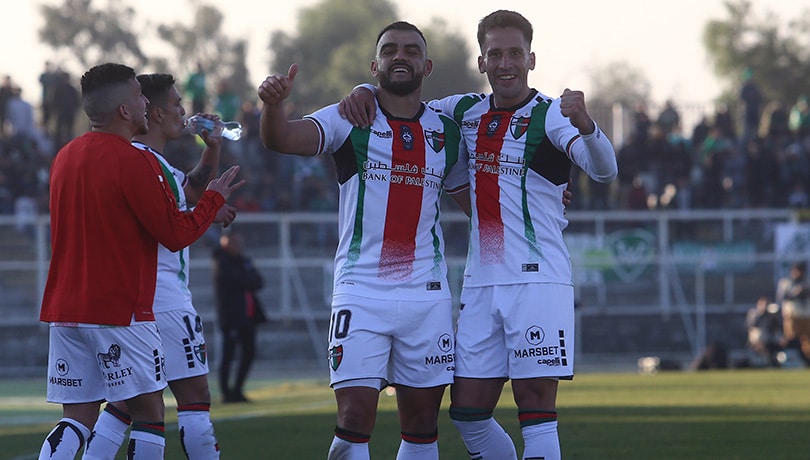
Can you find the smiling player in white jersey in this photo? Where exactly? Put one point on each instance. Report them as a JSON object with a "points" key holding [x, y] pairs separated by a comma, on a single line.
{"points": [[391, 308], [517, 313]]}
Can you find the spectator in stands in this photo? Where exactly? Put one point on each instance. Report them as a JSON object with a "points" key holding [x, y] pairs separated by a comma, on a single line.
{"points": [[799, 120], [20, 118], [5, 94], [196, 88], [236, 282], [751, 98], [46, 80], [641, 123], [765, 330], [669, 118], [793, 295], [66, 103]]}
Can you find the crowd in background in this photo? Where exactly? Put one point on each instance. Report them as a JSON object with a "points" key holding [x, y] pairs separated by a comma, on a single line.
{"points": [[754, 155]]}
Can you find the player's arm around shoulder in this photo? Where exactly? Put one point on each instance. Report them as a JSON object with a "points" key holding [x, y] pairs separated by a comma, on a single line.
{"points": [[455, 105]]}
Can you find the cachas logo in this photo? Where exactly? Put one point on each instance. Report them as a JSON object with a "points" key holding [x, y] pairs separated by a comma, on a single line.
{"points": [[335, 356]]}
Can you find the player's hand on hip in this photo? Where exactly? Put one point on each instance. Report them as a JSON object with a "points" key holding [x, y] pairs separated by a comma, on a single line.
{"points": [[572, 106], [277, 87]]}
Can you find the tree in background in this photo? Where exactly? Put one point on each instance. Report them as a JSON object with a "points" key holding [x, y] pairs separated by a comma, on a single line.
{"points": [[223, 58], [334, 46], [92, 35], [777, 55], [616, 84]]}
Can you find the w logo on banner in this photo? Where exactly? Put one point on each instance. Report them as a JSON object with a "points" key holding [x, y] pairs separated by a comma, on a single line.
{"points": [[435, 140], [519, 126]]}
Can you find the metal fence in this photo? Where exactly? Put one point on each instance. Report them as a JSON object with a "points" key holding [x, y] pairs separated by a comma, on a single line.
{"points": [[630, 267]]}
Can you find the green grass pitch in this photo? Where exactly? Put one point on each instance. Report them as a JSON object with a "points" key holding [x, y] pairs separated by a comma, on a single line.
{"points": [[733, 414]]}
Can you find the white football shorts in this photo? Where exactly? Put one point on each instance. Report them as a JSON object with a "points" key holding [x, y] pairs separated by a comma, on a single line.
{"points": [[390, 341], [89, 362], [181, 332], [517, 331]]}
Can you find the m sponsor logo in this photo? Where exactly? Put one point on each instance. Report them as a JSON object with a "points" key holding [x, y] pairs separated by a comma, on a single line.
{"points": [[62, 367], [535, 335], [530, 268], [445, 343]]}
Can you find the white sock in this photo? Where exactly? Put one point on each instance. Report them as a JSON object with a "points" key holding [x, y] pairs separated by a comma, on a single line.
{"points": [[417, 451], [345, 450], [66, 438], [108, 434], [146, 441], [541, 441], [197, 432], [485, 439]]}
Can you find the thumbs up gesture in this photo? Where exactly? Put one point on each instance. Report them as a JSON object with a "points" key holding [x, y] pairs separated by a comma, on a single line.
{"points": [[277, 87]]}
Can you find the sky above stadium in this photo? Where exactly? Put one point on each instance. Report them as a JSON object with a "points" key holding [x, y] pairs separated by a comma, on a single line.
{"points": [[660, 38]]}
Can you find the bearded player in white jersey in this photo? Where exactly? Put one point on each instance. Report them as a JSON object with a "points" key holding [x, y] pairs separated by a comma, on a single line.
{"points": [[391, 306], [517, 305], [180, 326]]}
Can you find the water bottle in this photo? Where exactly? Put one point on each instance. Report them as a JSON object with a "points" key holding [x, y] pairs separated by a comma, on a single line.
{"points": [[231, 130]]}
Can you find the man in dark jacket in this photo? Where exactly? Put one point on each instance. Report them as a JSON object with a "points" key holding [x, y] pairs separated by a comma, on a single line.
{"points": [[236, 281]]}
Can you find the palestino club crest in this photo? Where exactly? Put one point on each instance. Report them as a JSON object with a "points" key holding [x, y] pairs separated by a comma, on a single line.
{"points": [[200, 353], [335, 356], [519, 126], [435, 140]]}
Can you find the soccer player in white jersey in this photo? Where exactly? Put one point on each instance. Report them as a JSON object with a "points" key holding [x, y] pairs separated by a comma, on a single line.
{"points": [[180, 326], [391, 306], [517, 305]]}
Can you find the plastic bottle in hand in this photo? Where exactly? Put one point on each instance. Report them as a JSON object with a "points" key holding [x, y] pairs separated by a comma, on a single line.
{"points": [[231, 130]]}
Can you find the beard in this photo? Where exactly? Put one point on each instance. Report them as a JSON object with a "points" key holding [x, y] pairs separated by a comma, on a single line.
{"points": [[143, 128], [401, 88]]}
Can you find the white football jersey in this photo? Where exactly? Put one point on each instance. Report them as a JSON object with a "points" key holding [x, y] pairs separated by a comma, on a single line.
{"points": [[519, 164], [391, 176], [171, 291]]}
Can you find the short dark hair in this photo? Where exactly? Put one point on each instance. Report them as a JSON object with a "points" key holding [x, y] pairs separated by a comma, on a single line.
{"points": [[401, 25], [155, 86], [501, 19], [101, 87]]}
